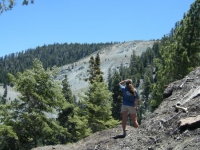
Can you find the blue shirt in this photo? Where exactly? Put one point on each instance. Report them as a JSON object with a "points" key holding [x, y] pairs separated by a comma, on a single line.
{"points": [[128, 98]]}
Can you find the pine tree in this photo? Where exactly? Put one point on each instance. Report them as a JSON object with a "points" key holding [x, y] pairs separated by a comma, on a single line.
{"points": [[145, 98], [65, 113], [8, 137], [97, 69], [67, 91], [117, 96], [3, 100], [5, 92], [40, 96], [109, 79], [79, 120], [94, 69], [97, 103], [91, 69], [146, 89]]}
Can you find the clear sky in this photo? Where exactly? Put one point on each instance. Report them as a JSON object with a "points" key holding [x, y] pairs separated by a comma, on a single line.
{"points": [[87, 21]]}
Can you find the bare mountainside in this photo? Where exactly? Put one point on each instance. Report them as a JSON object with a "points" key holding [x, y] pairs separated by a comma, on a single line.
{"points": [[111, 57]]}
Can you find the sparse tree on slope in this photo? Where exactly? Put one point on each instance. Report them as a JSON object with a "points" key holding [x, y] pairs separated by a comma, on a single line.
{"points": [[5, 91], [94, 69], [67, 91]]}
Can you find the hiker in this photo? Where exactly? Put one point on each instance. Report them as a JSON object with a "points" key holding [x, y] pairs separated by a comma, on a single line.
{"points": [[129, 104]]}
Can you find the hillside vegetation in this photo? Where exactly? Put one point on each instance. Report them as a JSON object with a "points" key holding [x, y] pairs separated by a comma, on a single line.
{"points": [[168, 93], [166, 128], [50, 55]]}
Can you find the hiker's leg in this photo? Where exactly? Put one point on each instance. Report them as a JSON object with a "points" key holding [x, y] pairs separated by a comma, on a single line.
{"points": [[134, 119], [124, 117]]}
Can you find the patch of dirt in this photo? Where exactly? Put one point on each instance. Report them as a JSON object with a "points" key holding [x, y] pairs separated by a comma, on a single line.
{"points": [[11, 93], [160, 130]]}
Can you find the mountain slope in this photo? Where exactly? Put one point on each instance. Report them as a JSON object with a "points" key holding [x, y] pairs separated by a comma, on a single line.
{"points": [[111, 57], [168, 128]]}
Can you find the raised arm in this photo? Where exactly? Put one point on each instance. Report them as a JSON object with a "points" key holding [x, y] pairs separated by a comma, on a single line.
{"points": [[123, 82]]}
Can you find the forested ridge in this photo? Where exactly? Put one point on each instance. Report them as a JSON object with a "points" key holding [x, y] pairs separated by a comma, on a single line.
{"points": [[50, 55], [171, 58]]}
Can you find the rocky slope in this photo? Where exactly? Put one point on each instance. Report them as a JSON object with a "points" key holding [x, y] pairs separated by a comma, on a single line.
{"points": [[111, 57], [175, 124]]}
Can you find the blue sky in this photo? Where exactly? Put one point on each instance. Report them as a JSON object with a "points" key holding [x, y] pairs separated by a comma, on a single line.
{"points": [[87, 21]]}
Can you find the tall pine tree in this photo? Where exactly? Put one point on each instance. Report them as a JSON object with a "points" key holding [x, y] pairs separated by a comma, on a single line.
{"points": [[97, 101]]}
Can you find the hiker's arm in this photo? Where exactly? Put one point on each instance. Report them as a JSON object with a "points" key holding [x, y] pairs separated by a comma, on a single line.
{"points": [[122, 82]]}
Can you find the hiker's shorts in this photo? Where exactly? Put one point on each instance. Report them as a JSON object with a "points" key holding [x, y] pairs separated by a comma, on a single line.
{"points": [[130, 109]]}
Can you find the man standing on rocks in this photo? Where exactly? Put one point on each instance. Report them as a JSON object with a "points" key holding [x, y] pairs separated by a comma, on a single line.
{"points": [[129, 104]]}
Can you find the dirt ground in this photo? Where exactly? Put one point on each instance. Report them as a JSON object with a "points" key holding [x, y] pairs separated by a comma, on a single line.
{"points": [[161, 130]]}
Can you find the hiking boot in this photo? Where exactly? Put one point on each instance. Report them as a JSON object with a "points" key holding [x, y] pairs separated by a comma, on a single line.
{"points": [[124, 134]]}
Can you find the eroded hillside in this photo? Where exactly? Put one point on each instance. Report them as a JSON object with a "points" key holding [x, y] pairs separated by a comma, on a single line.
{"points": [[111, 57]]}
